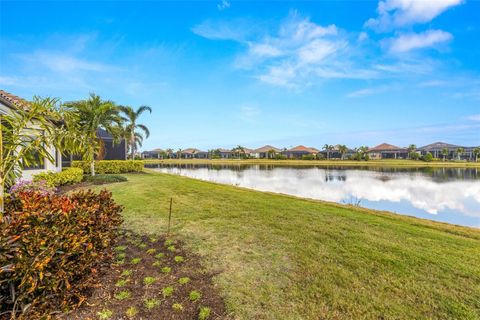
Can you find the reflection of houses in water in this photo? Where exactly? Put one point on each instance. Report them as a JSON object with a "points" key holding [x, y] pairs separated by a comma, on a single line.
{"points": [[335, 176]]}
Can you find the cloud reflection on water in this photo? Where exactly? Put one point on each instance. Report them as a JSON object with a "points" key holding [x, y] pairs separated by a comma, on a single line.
{"points": [[419, 190]]}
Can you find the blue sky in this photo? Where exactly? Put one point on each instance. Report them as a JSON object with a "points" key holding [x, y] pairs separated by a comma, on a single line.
{"points": [[222, 73]]}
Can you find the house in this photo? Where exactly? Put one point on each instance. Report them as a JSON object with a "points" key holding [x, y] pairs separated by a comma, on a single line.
{"points": [[438, 149], [387, 151], [154, 154], [336, 154], [192, 153], [224, 153], [11, 103], [265, 152], [299, 151], [109, 149]]}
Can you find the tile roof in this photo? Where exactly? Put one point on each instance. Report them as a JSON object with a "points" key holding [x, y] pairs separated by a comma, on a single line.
{"points": [[385, 147], [266, 148], [13, 101], [224, 150], [192, 151], [303, 149]]}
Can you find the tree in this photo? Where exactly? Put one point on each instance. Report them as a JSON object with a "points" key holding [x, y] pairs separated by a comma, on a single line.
{"points": [[444, 153], [412, 151], [328, 148], [169, 152], [239, 150], [271, 154], [93, 114], [133, 137], [460, 151], [476, 152], [343, 150], [25, 138]]}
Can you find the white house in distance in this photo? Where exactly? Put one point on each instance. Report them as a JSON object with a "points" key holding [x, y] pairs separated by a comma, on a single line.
{"points": [[11, 103]]}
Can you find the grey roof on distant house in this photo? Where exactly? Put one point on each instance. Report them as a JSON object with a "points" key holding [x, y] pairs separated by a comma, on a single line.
{"points": [[439, 146]]}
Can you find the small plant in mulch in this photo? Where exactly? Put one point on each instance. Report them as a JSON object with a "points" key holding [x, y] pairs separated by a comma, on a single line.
{"points": [[105, 314], [153, 285], [142, 245], [122, 295], [151, 303], [120, 248], [121, 283], [126, 273], [177, 307], [149, 280], [194, 295], [131, 312], [135, 260], [167, 292], [121, 255], [151, 251], [204, 313], [166, 269], [171, 248], [153, 239], [184, 280]]}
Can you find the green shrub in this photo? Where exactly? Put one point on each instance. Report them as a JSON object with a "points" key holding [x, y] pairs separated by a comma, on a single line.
{"points": [[427, 157], [131, 312], [177, 307], [184, 280], [122, 295], [105, 178], [308, 157], [167, 291], [111, 166], [56, 179], [105, 314], [51, 245]]}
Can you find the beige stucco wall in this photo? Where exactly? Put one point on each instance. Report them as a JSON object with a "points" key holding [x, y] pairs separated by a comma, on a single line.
{"points": [[48, 165]]}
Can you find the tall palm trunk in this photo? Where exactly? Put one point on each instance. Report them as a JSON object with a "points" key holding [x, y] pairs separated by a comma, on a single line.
{"points": [[132, 145]]}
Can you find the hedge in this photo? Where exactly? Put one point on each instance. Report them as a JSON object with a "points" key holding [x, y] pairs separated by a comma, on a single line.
{"points": [[50, 249], [111, 166], [56, 179]]}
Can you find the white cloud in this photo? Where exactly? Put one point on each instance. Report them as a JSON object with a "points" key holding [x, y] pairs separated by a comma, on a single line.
{"points": [[412, 41], [296, 55], [474, 117], [362, 36], [236, 30], [224, 4], [399, 13]]}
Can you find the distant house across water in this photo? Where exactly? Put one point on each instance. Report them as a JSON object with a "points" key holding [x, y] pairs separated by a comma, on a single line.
{"points": [[300, 151], [387, 151]]}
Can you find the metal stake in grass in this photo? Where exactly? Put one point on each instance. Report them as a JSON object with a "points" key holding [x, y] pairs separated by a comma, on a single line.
{"points": [[169, 216]]}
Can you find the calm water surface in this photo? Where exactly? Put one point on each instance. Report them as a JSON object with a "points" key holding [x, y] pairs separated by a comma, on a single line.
{"points": [[443, 194]]}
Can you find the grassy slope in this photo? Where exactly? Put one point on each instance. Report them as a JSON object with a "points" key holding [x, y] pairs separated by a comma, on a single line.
{"points": [[286, 258], [347, 163]]}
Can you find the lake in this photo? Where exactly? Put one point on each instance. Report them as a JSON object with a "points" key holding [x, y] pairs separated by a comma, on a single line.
{"points": [[443, 194]]}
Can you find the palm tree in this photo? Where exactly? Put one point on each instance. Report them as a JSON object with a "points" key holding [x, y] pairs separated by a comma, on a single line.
{"points": [[169, 152], [328, 148], [93, 114], [343, 150], [411, 149], [179, 153], [133, 137], [239, 150], [476, 152], [460, 151], [444, 153], [20, 147]]}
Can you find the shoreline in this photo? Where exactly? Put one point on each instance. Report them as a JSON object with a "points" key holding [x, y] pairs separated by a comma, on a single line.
{"points": [[322, 163]]}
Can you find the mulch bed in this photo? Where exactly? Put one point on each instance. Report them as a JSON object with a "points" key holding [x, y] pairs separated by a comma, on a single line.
{"points": [[159, 259]]}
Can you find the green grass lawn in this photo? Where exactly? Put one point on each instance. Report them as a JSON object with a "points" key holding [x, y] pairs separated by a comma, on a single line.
{"points": [[346, 163], [281, 257]]}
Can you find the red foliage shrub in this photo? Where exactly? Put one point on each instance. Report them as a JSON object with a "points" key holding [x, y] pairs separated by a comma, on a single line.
{"points": [[50, 246]]}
